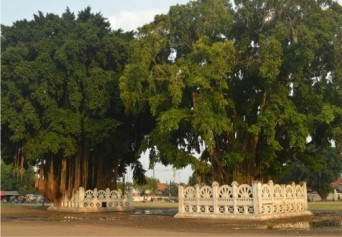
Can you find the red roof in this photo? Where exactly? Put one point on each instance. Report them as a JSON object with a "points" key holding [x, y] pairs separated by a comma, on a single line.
{"points": [[337, 183], [161, 187]]}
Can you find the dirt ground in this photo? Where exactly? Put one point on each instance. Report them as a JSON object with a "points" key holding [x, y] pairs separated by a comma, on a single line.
{"points": [[33, 221]]}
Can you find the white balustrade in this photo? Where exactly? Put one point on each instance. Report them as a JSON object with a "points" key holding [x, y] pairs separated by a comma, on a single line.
{"points": [[97, 200], [243, 201]]}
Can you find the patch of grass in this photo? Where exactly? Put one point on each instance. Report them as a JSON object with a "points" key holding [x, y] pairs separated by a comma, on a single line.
{"points": [[11, 206], [155, 204], [325, 206], [325, 223], [269, 225], [18, 206]]}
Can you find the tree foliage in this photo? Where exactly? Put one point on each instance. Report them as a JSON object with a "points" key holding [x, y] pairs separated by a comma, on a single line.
{"points": [[61, 109], [250, 84], [149, 185], [14, 181], [318, 168]]}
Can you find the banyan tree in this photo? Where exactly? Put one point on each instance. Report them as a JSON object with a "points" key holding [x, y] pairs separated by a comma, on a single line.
{"points": [[61, 109], [250, 86]]}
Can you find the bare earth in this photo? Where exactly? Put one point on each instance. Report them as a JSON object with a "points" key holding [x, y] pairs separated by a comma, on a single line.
{"points": [[25, 221]]}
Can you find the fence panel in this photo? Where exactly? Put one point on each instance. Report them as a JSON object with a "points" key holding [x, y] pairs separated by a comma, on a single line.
{"points": [[236, 201]]}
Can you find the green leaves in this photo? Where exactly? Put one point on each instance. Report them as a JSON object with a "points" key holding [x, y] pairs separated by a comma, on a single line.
{"points": [[59, 82], [208, 120], [169, 121], [97, 95], [101, 130], [270, 57], [327, 114], [253, 88]]}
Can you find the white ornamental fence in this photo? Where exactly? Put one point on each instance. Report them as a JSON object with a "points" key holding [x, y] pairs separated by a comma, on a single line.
{"points": [[97, 200], [258, 201]]}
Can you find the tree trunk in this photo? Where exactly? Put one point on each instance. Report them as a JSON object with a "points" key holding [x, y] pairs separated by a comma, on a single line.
{"points": [[71, 176], [115, 176], [199, 179], [63, 181], [217, 169], [41, 180], [100, 173], [78, 167], [50, 180], [85, 170]]}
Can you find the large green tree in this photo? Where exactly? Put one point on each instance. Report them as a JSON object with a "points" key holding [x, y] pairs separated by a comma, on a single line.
{"points": [[250, 84], [61, 109]]}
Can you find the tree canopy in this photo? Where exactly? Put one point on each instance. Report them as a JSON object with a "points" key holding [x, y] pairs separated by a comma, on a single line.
{"points": [[255, 84], [61, 109]]}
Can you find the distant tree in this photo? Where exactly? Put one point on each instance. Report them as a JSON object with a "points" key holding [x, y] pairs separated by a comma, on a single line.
{"points": [[11, 180], [149, 184], [200, 178], [319, 172], [171, 190]]}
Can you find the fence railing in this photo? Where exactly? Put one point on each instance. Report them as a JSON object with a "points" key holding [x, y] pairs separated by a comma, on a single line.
{"points": [[233, 201], [97, 200]]}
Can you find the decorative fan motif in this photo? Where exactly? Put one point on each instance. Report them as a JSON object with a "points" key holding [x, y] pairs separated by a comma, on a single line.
{"points": [[244, 191], [225, 191], [206, 192], [113, 195], [101, 194], [89, 195], [189, 192]]}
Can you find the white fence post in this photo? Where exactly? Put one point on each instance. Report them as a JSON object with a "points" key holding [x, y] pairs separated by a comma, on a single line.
{"points": [[234, 191], [95, 200], [271, 188], [197, 196], [215, 187], [303, 184], [107, 197], [257, 199], [81, 197], [130, 196], [283, 189]]}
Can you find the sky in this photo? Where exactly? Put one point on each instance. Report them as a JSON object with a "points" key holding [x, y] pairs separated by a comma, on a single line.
{"points": [[124, 14]]}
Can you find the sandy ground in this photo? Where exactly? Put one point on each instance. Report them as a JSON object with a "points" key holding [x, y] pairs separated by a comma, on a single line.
{"points": [[40, 222]]}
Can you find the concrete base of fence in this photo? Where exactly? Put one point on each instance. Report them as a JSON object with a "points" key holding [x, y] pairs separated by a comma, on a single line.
{"points": [[243, 217], [79, 209]]}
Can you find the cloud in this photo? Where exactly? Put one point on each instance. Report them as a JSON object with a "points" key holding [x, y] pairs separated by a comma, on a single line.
{"points": [[131, 20]]}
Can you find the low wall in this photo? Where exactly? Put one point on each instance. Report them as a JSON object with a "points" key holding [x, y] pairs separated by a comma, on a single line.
{"points": [[315, 197], [256, 201], [97, 201]]}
